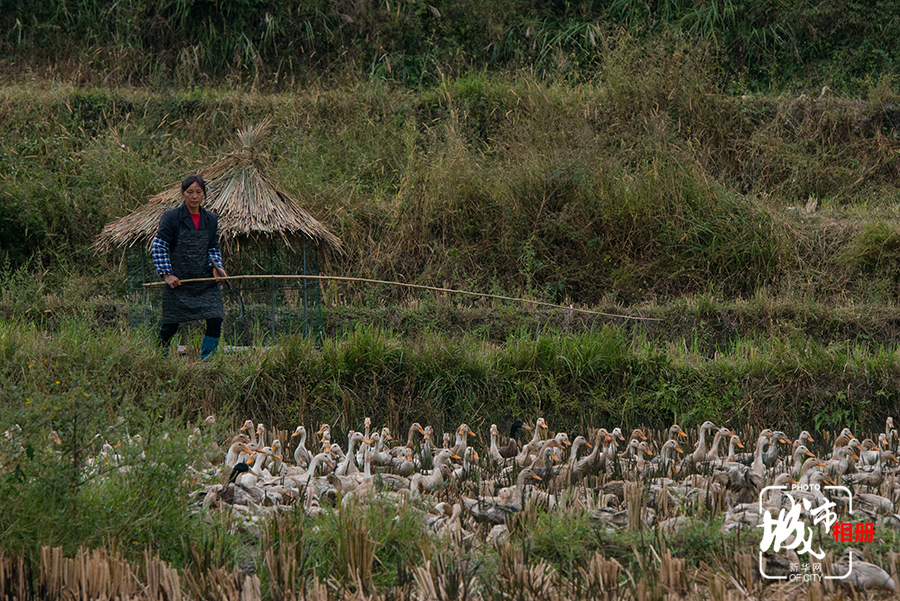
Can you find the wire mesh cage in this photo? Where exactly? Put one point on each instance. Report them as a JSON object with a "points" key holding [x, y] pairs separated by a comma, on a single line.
{"points": [[269, 302]]}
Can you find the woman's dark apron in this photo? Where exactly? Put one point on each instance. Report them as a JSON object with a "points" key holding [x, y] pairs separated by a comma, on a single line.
{"points": [[194, 300]]}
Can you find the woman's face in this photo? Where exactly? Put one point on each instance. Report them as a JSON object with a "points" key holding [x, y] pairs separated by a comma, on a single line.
{"points": [[193, 196]]}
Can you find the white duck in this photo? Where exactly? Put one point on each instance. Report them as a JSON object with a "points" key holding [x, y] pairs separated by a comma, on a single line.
{"points": [[325, 432], [713, 453], [348, 465], [462, 440], [235, 452], [400, 450], [468, 468], [700, 450], [301, 453], [431, 482]]}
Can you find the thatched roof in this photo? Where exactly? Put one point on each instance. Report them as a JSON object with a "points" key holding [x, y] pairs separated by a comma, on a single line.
{"points": [[247, 202]]}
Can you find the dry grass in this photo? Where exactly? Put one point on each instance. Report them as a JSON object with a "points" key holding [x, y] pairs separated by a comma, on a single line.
{"points": [[630, 188], [356, 550], [15, 577], [98, 575], [219, 583]]}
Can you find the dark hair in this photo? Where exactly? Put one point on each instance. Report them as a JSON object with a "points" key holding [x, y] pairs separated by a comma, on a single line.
{"points": [[193, 179]]}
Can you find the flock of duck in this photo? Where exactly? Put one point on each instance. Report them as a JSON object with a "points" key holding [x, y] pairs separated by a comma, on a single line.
{"points": [[600, 470]]}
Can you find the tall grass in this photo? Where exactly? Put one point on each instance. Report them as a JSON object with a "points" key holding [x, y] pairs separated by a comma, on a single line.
{"points": [[611, 375], [630, 187], [414, 43], [94, 385], [64, 492]]}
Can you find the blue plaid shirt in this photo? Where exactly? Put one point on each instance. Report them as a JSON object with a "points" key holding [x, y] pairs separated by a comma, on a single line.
{"points": [[159, 252]]}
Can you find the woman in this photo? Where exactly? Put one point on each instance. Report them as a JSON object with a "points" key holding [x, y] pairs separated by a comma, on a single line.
{"points": [[186, 246]]}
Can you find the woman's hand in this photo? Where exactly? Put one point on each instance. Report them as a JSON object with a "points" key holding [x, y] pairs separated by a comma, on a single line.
{"points": [[219, 273], [172, 280]]}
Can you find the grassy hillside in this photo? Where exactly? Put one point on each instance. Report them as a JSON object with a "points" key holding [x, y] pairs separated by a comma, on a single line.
{"points": [[646, 183], [680, 161], [752, 226], [415, 43]]}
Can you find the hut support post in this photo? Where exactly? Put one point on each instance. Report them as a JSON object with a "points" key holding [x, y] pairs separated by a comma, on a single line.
{"points": [[272, 271], [305, 305], [140, 312]]}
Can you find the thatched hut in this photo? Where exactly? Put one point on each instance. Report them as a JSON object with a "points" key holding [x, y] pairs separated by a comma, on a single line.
{"points": [[262, 231]]}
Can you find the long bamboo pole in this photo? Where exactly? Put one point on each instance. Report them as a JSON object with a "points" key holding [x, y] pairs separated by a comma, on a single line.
{"points": [[405, 285]]}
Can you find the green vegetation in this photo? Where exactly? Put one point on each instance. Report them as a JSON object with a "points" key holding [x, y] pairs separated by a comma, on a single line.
{"points": [[419, 43], [624, 189], [621, 374], [671, 160]]}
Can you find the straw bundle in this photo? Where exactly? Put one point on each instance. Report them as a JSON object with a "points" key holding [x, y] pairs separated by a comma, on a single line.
{"points": [[247, 202], [601, 577], [98, 575], [634, 501], [15, 578], [672, 573], [220, 583]]}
